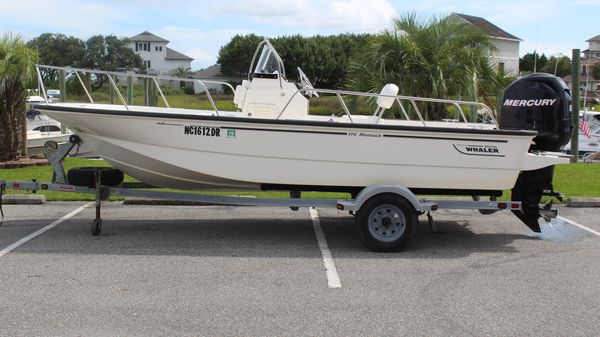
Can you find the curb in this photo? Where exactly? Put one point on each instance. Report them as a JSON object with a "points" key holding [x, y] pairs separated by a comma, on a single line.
{"points": [[583, 202], [23, 163], [24, 199]]}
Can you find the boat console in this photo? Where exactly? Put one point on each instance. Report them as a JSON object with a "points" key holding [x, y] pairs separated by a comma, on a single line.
{"points": [[267, 92]]}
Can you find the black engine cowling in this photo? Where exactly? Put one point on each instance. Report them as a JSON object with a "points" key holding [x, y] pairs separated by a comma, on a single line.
{"points": [[538, 102]]}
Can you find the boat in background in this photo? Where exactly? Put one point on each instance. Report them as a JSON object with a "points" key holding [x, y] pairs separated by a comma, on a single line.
{"points": [[588, 145], [44, 134]]}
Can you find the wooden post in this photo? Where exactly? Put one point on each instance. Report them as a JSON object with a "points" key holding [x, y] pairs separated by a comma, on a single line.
{"points": [[575, 105], [146, 93], [129, 90], [111, 91], [62, 84]]}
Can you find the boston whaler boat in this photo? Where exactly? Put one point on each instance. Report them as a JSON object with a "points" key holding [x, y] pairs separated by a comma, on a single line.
{"points": [[273, 143]]}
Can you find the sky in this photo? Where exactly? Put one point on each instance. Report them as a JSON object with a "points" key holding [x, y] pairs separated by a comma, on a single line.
{"points": [[198, 28]]}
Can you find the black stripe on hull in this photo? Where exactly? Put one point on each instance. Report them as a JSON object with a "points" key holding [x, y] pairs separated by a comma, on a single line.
{"points": [[132, 113]]}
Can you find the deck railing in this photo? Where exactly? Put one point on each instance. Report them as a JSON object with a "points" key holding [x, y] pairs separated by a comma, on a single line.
{"points": [[405, 103], [112, 75], [399, 99]]}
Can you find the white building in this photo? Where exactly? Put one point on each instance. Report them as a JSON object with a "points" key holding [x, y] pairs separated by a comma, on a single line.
{"points": [[587, 80], [157, 57], [506, 43]]}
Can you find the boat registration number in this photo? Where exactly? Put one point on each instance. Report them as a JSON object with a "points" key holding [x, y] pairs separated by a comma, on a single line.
{"points": [[207, 131]]}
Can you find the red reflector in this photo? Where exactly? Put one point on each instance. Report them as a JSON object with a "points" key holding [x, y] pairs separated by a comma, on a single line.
{"points": [[340, 207], [44, 186], [16, 185], [515, 206], [502, 205], [434, 207]]}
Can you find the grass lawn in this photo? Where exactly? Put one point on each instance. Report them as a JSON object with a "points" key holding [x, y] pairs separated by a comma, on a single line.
{"points": [[573, 180]]}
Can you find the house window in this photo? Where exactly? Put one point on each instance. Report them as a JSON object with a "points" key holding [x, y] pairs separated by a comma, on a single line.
{"points": [[155, 48], [160, 48], [584, 70], [137, 46], [147, 64]]}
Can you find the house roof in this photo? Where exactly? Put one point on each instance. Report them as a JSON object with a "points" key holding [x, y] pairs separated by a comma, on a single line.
{"points": [[594, 39], [210, 72], [214, 72], [146, 36], [487, 27], [175, 55]]}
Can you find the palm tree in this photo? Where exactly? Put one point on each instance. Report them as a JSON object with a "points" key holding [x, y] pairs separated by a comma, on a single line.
{"points": [[436, 57], [17, 67], [182, 72]]}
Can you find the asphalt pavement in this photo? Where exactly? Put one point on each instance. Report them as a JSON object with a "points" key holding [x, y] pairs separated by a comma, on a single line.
{"points": [[255, 271]]}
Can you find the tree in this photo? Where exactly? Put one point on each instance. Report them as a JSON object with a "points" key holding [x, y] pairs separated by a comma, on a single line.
{"points": [[109, 53], [323, 58], [235, 56], [562, 66], [182, 72], [437, 58], [57, 50], [532, 60], [17, 66]]}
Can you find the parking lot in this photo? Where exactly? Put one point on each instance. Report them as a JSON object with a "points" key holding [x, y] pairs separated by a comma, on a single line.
{"points": [[255, 271]]}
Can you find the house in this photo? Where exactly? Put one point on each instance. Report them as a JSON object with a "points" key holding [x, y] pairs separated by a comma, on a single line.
{"points": [[507, 57], [214, 74], [157, 57], [589, 59]]}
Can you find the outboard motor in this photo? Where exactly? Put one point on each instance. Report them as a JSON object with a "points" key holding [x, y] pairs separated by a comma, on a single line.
{"points": [[539, 102]]}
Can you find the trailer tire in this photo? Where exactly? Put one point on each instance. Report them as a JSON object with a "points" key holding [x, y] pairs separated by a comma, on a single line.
{"points": [[386, 223], [84, 176]]}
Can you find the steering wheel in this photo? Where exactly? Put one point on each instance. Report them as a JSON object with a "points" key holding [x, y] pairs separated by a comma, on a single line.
{"points": [[305, 84]]}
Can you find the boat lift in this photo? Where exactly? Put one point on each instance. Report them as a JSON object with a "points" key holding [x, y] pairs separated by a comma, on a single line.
{"points": [[386, 215]]}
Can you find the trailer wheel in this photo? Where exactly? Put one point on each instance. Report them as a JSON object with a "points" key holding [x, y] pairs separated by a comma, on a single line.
{"points": [[386, 223], [84, 176]]}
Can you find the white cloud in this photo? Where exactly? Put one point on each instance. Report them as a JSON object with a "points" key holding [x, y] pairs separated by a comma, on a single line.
{"points": [[309, 15]]}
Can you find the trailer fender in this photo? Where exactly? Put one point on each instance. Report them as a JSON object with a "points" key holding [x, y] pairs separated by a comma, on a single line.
{"points": [[371, 191]]}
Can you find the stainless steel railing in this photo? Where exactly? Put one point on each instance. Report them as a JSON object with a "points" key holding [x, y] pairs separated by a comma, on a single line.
{"points": [[412, 100], [111, 75]]}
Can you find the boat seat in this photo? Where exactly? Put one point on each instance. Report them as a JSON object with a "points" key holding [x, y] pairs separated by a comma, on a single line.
{"points": [[386, 102]]}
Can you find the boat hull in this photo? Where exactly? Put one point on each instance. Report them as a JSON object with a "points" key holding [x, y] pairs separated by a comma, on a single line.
{"points": [[195, 151]]}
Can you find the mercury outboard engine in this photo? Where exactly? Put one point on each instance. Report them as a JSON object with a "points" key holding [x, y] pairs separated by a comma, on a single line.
{"points": [[538, 102]]}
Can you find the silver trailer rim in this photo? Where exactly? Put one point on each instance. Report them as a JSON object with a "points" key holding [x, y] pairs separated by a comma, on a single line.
{"points": [[387, 222]]}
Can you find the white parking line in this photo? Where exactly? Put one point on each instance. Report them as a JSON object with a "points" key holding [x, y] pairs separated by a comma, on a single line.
{"points": [[333, 280], [579, 225], [42, 230]]}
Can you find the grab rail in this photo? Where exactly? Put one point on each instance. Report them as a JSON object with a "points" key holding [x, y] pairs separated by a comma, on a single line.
{"points": [[154, 79], [398, 98]]}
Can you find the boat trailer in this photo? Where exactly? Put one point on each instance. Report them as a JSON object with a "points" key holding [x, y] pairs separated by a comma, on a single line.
{"points": [[386, 215]]}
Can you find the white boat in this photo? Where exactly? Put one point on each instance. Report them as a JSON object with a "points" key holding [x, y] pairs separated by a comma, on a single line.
{"points": [[272, 142], [588, 145], [43, 132]]}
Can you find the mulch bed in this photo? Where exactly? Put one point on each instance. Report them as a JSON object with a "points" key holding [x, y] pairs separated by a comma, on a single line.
{"points": [[25, 162]]}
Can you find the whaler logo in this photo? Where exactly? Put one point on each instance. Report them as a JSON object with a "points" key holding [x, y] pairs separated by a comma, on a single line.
{"points": [[478, 150], [530, 102]]}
